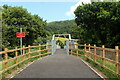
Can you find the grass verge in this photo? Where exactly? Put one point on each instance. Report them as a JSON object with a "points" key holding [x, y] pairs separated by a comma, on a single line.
{"points": [[21, 65], [109, 74]]}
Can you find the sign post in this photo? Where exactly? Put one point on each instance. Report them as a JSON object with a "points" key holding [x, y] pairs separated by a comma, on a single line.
{"points": [[21, 40], [20, 34]]}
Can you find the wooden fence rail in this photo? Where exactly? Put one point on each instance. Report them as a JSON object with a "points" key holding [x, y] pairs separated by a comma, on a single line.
{"points": [[27, 54], [91, 53]]}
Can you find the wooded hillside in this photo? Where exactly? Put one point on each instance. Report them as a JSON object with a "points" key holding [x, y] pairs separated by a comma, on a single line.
{"points": [[60, 26]]}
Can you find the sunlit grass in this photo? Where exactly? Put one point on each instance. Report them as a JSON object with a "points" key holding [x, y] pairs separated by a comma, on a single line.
{"points": [[12, 62], [108, 64], [1, 66], [63, 39]]}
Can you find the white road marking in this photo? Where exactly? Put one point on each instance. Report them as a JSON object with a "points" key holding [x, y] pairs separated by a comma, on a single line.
{"points": [[92, 69]]}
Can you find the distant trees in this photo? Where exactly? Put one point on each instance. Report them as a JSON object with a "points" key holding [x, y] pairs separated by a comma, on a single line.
{"points": [[61, 44], [104, 0], [60, 27], [15, 17], [99, 23]]}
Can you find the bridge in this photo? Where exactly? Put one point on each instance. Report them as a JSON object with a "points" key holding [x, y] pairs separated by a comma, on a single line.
{"points": [[47, 61]]}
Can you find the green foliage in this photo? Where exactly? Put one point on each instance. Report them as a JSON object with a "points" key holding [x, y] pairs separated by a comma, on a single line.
{"points": [[0, 28], [77, 32], [61, 44], [100, 23], [15, 17], [61, 27], [41, 40]]}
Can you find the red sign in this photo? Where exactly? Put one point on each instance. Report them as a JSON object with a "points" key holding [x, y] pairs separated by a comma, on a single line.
{"points": [[20, 34]]}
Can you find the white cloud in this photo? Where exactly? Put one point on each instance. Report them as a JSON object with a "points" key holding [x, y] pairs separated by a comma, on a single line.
{"points": [[72, 9], [68, 13]]}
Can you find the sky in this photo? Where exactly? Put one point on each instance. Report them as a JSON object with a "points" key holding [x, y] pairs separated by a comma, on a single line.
{"points": [[50, 10]]}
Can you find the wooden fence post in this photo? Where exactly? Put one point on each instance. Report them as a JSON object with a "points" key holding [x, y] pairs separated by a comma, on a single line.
{"points": [[47, 47], [85, 50], [103, 55], [89, 51], [16, 54], [94, 53], [77, 49], [40, 50], [117, 59], [23, 52], [6, 58], [39, 47], [29, 51]]}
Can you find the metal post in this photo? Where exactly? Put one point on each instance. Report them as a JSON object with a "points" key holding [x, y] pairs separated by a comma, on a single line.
{"points": [[53, 37], [69, 37], [21, 41], [52, 47], [67, 46]]}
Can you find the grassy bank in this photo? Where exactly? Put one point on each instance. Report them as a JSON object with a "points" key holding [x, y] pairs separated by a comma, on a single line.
{"points": [[109, 74], [19, 59]]}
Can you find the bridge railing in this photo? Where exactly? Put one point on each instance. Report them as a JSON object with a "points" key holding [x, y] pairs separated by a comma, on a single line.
{"points": [[29, 54], [105, 57]]}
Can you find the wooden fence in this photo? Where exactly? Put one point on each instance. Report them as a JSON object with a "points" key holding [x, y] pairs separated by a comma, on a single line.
{"points": [[99, 55], [28, 53]]}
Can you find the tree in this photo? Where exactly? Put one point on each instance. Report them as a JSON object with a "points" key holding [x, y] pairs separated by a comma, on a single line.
{"points": [[101, 21], [61, 44], [15, 17]]}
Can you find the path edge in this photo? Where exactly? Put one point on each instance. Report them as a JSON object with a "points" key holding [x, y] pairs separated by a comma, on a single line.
{"points": [[18, 72], [91, 68]]}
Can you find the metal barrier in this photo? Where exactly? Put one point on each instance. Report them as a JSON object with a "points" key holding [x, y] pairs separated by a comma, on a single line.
{"points": [[67, 45], [53, 45]]}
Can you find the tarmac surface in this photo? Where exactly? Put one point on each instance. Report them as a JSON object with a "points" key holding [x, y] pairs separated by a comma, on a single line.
{"points": [[59, 65]]}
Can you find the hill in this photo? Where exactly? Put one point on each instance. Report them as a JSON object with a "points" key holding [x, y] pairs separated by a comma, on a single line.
{"points": [[60, 26]]}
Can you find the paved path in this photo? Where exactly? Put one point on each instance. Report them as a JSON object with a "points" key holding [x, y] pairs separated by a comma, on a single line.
{"points": [[59, 65]]}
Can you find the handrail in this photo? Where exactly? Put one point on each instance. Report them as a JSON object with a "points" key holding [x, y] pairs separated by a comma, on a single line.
{"points": [[42, 50], [90, 52]]}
